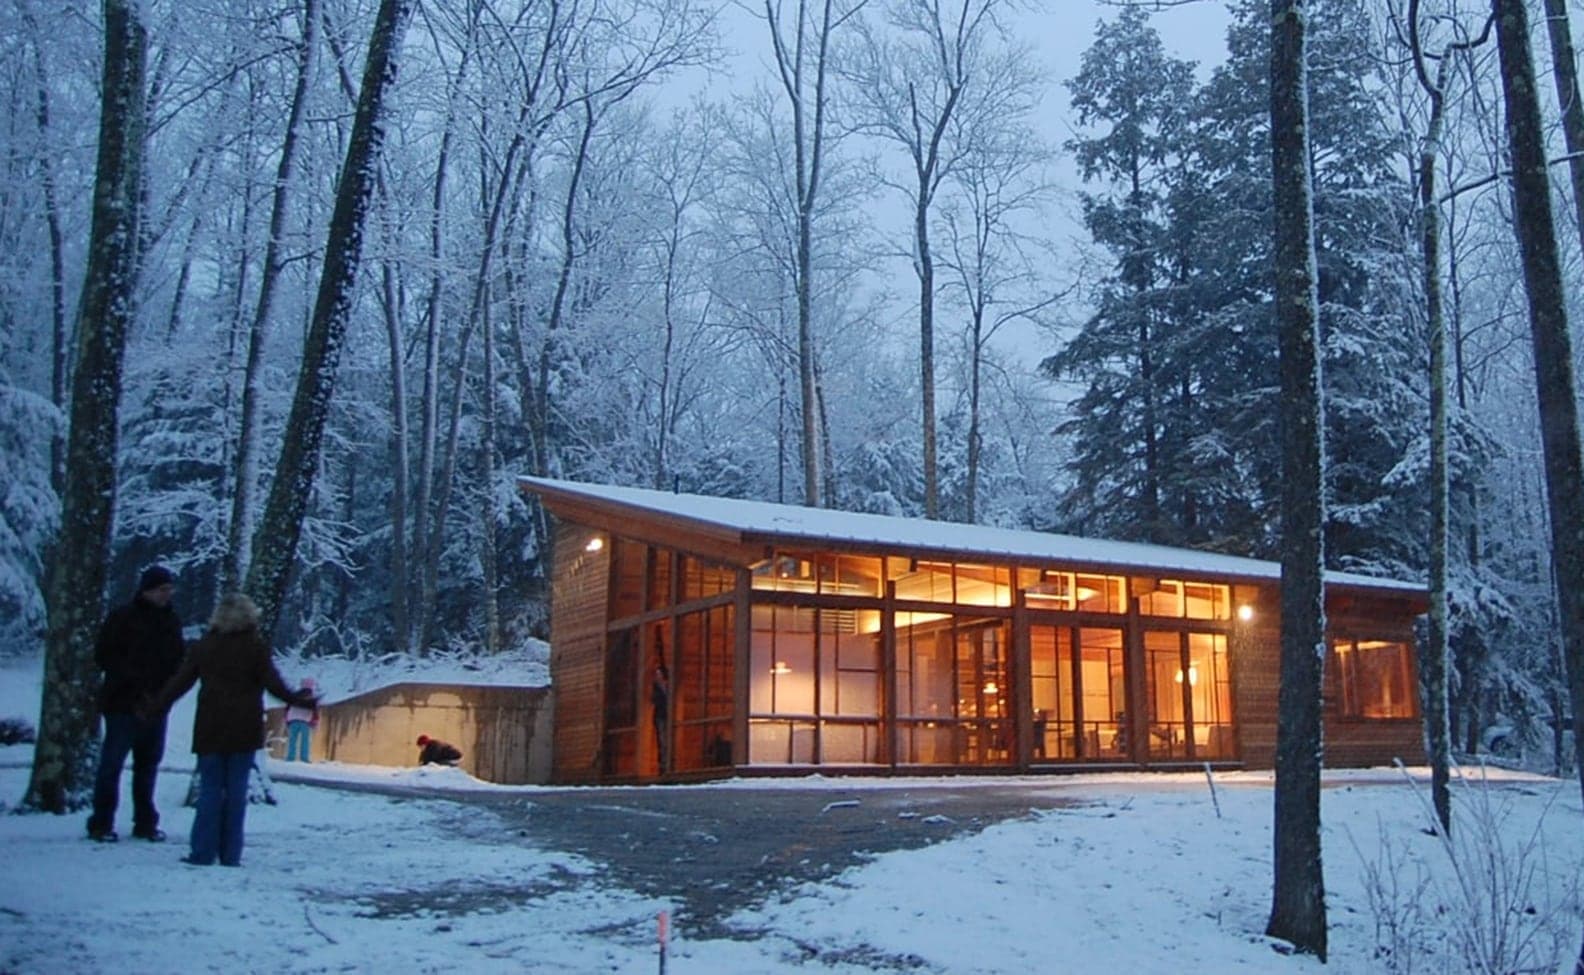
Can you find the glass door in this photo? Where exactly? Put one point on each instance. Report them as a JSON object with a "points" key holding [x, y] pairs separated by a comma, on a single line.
{"points": [[1079, 688]]}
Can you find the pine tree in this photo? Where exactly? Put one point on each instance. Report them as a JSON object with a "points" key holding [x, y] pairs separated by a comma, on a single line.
{"points": [[1128, 84]]}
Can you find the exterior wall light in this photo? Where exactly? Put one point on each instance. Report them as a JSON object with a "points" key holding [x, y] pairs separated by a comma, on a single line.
{"points": [[1245, 612], [594, 544]]}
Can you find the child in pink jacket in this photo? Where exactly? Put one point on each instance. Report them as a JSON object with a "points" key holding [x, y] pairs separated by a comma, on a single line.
{"points": [[300, 723]]}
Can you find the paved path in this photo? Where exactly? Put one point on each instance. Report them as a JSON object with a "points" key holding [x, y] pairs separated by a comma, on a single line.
{"points": [[715, 850]]}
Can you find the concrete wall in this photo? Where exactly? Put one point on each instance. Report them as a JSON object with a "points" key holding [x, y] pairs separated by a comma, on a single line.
{"points": [[504, 732]]}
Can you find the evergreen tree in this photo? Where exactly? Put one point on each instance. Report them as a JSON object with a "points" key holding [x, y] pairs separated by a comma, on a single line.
{"points": [[1141, 96], [1175, 433]]}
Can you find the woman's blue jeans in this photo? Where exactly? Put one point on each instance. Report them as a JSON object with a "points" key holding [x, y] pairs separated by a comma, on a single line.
{"points": [[298, 736], [222, 807]]}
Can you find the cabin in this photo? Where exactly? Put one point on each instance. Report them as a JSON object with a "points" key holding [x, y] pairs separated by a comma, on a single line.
{"points": [[697, 637]]}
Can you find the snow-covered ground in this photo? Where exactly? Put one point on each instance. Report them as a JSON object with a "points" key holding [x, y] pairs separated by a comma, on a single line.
{"points": [[1149, 873]]}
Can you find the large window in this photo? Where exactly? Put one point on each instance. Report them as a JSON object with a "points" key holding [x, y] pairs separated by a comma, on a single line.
{"points": [[1376, 677], [815, 686], [1184, 599], [1054, 589], [1189, 692], [953, 691]]}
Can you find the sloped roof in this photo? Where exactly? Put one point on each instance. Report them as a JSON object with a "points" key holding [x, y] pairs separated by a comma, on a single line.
{"points": [[764, 522]]}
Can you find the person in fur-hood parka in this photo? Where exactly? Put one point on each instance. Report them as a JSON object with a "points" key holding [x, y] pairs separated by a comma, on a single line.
{"points": [[232, 664]]}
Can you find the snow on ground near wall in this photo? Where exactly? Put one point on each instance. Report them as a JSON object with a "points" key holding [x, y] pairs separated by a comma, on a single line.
{"points": [[1141, 874]]}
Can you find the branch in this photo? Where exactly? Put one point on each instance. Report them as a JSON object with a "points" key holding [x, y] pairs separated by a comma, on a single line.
{"points": [[1493, 177]]}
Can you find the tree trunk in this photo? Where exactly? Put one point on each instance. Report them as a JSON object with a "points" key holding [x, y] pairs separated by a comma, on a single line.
{"points": [[63, 761], [1553, 352], [975, 438], [400, 462], [60, 360], [1298, 910], [429, 424], [245, 476], [275, 544], [1564, 71], [926, 276], [1433, 669]]}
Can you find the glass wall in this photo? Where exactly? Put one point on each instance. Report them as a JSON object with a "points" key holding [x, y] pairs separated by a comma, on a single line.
{"points": [[619, 751], [703, 706], [817, 682]]}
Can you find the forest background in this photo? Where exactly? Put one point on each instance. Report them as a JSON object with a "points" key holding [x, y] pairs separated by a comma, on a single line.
{"points": [[866, 254]]}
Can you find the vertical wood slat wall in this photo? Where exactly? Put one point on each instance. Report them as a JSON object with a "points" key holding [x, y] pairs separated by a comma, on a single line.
{"points": [[579, 592]]}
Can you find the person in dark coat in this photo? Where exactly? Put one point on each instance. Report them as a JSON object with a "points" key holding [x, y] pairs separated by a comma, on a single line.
{"points": [[139, 648], [232, 665], [433, 751]]}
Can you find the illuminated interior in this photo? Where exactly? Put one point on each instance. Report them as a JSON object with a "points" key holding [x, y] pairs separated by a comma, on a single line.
{"points": [[823, 629], [1376, 677]]}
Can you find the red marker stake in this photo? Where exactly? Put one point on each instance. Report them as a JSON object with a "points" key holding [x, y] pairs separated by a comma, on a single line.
{"points": [[665, 924]]}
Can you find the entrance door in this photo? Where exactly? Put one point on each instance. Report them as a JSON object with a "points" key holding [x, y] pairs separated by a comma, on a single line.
{"points": [[1079, 692]]}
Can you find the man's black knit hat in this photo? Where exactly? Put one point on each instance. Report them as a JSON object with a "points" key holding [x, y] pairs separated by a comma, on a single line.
{"points": [[155, 576]]}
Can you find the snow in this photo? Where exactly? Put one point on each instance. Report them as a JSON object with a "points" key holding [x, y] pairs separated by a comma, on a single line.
{"points": [[767, 520], [1136, 872]]}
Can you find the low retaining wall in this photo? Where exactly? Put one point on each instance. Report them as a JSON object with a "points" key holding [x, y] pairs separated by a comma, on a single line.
{"points": [[504, 732]]}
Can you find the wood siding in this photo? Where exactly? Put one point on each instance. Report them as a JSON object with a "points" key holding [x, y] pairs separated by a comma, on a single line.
{"points": [[579, 594]]}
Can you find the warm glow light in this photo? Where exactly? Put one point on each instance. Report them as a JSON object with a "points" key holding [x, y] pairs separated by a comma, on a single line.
{"points": [[1085, 593], [780, 668], [594, 544], [1245, 612], [1193, 676], [991, 687]]}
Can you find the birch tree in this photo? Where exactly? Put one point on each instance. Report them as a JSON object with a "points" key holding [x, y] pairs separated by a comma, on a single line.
{"points": [[245, 482], [63, 759]]}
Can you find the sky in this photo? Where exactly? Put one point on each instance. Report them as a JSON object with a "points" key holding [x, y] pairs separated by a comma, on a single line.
{"points": [[1138, 873]]}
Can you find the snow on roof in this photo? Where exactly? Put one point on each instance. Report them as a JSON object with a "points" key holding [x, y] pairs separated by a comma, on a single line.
{"points": [[764, 520]]}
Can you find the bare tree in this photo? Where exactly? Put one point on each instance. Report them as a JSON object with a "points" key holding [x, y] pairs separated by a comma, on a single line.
{"points": [[1434, 659], [1553, 350], [63, 759], [912, 83], [801, 33], [1298, 910], [993, 266], [275, 543], [243, 497], [1564, 72]]}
